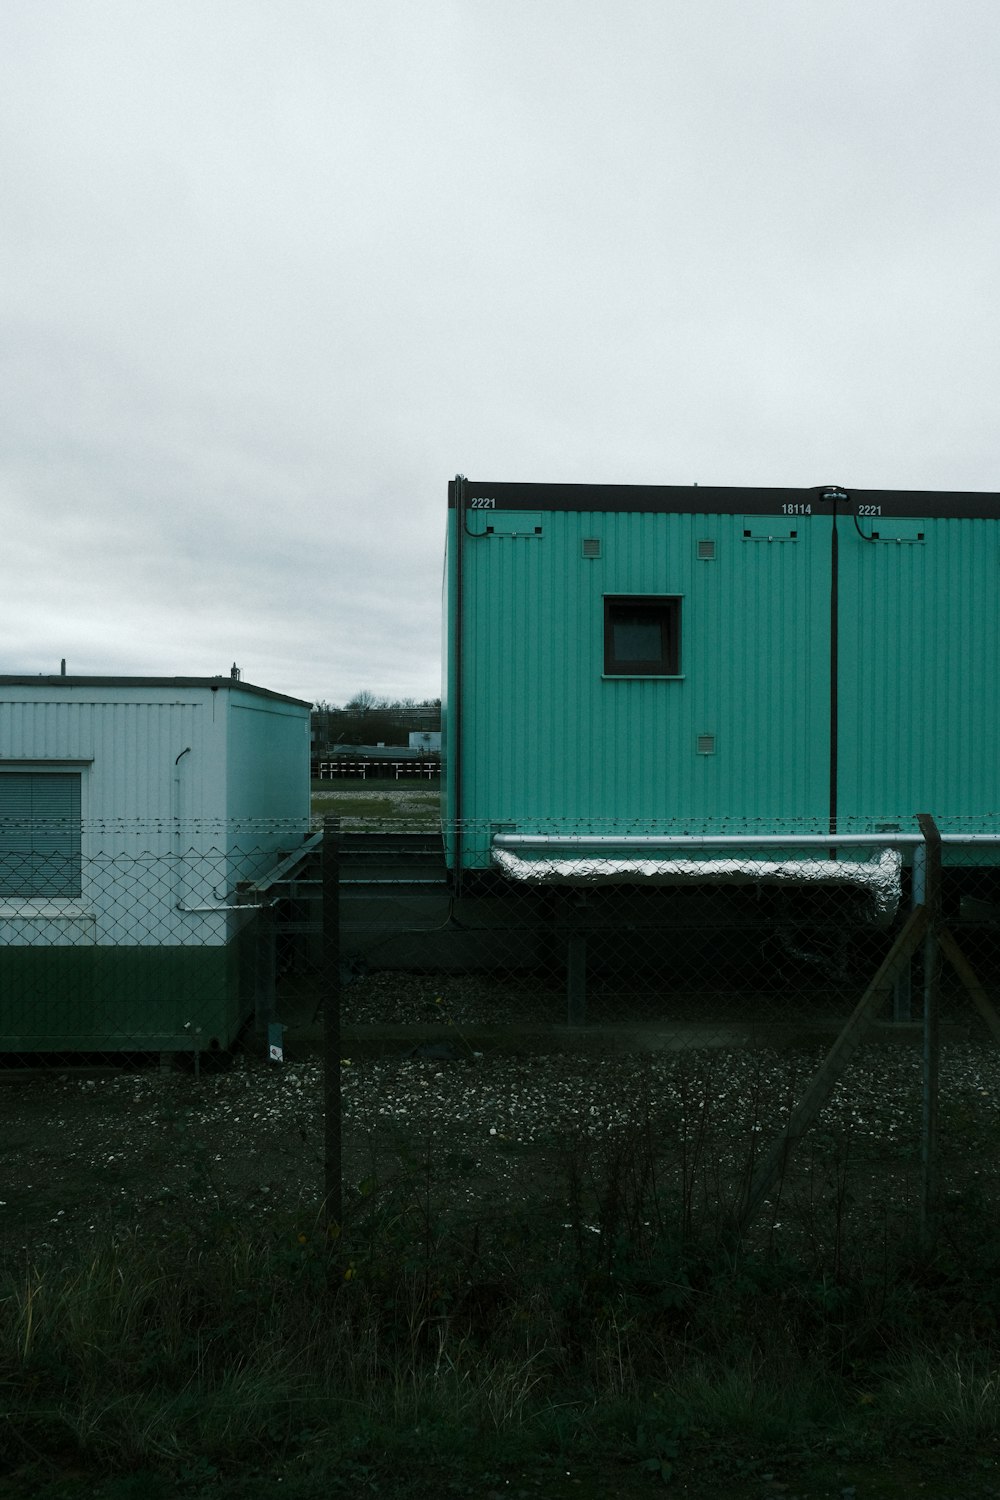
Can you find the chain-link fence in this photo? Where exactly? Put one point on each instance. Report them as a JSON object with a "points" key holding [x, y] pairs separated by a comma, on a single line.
{"points": [[136, 937], [780, 1032]]}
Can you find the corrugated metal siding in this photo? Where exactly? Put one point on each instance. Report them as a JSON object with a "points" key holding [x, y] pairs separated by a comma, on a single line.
{"points": [[547, 736], [223, 755], [132, 746], [765, 643], [920, 665], [268, 760]]}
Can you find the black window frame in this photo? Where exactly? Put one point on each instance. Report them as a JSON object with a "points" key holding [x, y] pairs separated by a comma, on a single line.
{"points": [[667, 609]]}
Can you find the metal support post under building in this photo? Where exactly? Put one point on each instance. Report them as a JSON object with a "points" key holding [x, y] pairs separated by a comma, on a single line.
{"points": [[576, 979]]}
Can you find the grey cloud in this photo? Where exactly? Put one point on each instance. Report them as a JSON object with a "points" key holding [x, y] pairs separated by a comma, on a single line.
{"points": [[271, 274]]}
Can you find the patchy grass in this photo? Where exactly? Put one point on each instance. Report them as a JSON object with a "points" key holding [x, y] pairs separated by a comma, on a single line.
{"points": [[570, 1317], [403, 1356], [409, 804]]}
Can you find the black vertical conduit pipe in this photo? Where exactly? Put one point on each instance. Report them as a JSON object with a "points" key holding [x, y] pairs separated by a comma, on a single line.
{"points": [[834, 665], [834, 493], [455, 711]]}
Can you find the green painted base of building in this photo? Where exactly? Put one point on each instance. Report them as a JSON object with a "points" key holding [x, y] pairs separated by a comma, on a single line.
{"points": [[142, 999]]}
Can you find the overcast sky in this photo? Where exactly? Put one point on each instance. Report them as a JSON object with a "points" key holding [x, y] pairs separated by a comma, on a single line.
{"points": [[273, 271]]}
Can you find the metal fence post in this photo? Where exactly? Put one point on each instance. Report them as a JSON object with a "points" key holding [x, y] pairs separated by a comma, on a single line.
{"points": [[265, 969], [902, 998], [332, 1132], [932, 1034]]}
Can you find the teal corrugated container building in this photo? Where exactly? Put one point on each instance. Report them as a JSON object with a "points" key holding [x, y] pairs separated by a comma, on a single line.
{"points": [[747, 660]]}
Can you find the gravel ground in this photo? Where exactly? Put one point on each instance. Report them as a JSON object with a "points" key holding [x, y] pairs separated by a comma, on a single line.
{"points": [[470, 1000], [141, 1147]]}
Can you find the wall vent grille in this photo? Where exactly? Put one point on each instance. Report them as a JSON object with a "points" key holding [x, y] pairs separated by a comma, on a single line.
{"points": [[705, 549], [591, 546], [706, 744]]}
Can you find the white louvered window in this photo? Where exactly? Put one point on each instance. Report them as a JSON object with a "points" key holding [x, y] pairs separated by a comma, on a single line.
{"points": [[40, 834]]}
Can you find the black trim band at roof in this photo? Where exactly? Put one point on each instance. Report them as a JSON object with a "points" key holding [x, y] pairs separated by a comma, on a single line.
{"points": [[731, 500]]}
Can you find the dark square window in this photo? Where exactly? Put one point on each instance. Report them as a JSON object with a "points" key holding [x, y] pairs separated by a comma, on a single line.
{"points": [[642, 635]]}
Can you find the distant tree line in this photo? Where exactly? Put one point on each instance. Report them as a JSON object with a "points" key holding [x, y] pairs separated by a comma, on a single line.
{"points": [[370, 720]]}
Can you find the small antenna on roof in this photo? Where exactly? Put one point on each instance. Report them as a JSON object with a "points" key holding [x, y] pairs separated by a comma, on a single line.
{"points": [[62, 667], [235, 672]]}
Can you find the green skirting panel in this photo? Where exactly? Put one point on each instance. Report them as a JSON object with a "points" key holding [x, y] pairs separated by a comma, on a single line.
{"points": [[92, 999]]}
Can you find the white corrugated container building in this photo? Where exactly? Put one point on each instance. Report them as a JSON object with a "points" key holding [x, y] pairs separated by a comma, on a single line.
{"points": [[132, 810]]}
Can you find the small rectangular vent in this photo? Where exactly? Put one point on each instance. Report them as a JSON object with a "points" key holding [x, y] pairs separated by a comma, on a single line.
{"points": [[705, 549], [706, 744], [591, 546]]}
